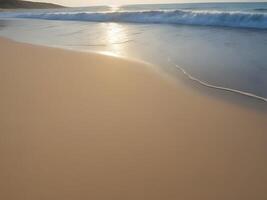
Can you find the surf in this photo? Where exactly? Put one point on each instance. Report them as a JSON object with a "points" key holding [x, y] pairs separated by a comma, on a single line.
{"points": [[238, 19]]}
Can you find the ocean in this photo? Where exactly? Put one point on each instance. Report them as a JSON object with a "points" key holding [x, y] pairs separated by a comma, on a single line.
{"points": [[215, 45]]}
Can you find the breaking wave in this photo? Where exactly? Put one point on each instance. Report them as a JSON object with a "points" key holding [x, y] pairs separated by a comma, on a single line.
{"points": [[187, 17]]}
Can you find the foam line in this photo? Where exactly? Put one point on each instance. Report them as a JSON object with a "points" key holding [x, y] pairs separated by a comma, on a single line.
{"points": [[239, 19], [220, 87]]}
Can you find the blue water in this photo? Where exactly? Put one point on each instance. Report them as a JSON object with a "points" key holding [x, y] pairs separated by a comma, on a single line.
{"points": [[218, 45], [246, 15]]}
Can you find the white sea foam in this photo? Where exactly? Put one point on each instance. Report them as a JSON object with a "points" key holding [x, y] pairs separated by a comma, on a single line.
{"points": [[206, 84], [189, 17]]}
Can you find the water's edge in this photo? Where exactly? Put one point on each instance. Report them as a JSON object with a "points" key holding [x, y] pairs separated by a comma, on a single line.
{"points": [[180, 69]]}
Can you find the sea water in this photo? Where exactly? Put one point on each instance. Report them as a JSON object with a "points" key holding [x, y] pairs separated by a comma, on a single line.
{"points": [[217, 45]]}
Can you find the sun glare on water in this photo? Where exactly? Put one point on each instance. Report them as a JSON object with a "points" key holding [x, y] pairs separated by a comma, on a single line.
{"points": [[114, 8], [115, 37]]}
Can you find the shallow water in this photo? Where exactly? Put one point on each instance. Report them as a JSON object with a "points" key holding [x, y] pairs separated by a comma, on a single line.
{"points": [[230, 58]]}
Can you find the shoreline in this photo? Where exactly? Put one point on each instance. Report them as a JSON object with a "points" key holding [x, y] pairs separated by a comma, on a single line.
{"points": [[238, 97], [86, 126]]}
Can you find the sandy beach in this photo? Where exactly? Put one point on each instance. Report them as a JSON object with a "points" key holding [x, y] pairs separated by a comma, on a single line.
{"points": [[86, 126]]}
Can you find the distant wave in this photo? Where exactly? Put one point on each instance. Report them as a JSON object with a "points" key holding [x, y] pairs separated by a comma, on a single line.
{"points": [[187, 17], [260, 9]]}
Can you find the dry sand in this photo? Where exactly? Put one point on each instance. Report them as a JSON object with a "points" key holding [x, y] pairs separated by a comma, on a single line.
{"points": [[83, 126]]}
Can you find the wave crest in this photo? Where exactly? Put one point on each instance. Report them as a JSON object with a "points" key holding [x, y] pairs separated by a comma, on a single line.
{"points": [[186, 17]]}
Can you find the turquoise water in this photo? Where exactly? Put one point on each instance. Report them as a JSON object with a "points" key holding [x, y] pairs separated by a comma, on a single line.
{"points": [[218, 45]]}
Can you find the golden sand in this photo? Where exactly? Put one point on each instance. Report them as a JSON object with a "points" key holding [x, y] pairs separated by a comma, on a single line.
{"points": [[83, 126]]}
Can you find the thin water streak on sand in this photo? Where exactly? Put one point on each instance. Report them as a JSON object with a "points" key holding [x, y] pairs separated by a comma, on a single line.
{"points": [[218, 87]]}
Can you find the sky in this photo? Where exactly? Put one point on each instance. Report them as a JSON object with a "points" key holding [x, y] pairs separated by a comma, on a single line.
{"points": [[121, 2]]}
